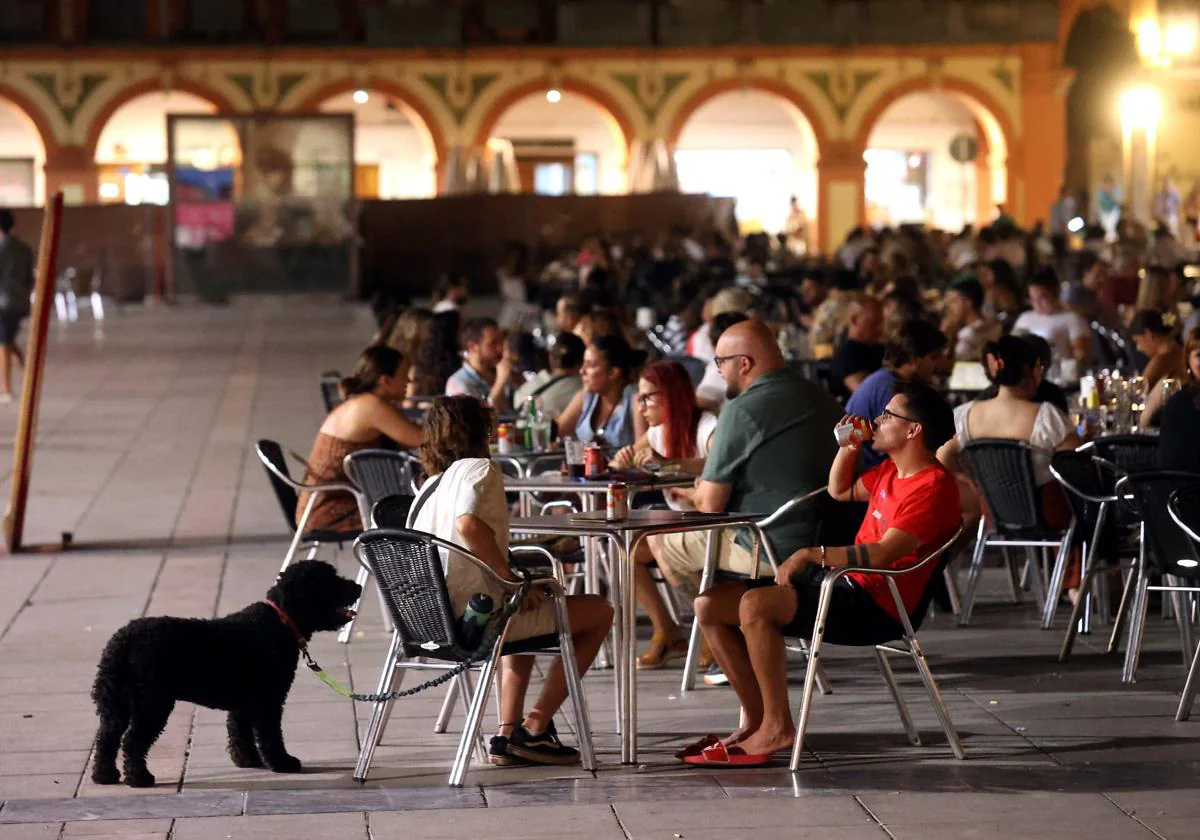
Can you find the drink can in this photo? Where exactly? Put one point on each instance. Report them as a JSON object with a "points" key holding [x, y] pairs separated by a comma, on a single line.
{"points": [[594, 461], [618, 501], [504, 439], [856, 431]]}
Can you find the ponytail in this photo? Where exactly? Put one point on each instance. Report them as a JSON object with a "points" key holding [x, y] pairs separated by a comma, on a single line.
{"points": [[373, 364]]}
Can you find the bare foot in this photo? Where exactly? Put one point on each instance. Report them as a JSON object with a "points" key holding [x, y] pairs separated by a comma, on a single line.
{"points": [[767, 742], [740, 735]]}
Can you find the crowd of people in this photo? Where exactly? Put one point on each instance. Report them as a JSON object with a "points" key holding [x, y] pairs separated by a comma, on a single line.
{"points": [[761, 354]]}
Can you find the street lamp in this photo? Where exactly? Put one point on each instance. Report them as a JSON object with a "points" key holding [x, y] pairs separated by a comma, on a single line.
{"points": [[1141, 107]]}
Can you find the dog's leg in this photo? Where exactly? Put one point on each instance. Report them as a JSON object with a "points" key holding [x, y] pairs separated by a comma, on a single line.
{"points": [[149, 719], [241, 740], [108, 739], [268, 726]]}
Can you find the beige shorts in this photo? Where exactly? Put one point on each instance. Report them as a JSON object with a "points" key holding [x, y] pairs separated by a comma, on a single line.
{"points": [[532, 623], [681, 555]]}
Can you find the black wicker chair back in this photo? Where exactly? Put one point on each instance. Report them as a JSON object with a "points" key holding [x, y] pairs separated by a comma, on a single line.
{"points": [[380, 473], [272, 452], [1003, 471], [1169, 550], [331, 390], [408, 570], [391, 512], [1132, 453]]}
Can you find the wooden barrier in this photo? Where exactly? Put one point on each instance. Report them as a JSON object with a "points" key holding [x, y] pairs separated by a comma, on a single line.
{"points": [[35, 365]]}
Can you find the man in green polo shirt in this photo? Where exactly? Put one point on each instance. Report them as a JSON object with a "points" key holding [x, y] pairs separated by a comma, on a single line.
{"points": [[772, 443]]}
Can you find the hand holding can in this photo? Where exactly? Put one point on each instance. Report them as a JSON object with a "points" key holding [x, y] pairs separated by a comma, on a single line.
{"points": [[852, 431]]}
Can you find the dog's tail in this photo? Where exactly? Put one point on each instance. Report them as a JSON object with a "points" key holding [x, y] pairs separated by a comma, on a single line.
{"points": [[111, 689]]}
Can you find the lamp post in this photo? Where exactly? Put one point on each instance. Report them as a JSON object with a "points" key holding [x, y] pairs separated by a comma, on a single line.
{"points": [[1141, 109]]}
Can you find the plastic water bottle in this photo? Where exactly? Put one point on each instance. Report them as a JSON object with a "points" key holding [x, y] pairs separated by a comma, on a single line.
{"points": [[474, 621], [531, 419]]}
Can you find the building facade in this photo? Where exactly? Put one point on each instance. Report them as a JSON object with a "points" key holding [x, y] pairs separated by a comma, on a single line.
{"points": [[848, 93]]}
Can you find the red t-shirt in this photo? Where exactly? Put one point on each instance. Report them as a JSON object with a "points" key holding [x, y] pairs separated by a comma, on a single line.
{"points": [[924, 505]]}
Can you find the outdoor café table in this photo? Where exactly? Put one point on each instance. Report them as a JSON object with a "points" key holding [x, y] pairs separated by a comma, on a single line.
{"points": [[625, 534], [525, 461]]}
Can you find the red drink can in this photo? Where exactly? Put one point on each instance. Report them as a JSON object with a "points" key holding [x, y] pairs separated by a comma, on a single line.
{"points": [[594, 461], [618, 502]]}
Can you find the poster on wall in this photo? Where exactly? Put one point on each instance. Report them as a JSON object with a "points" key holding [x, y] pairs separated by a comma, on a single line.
{"points": [[16, 182]]}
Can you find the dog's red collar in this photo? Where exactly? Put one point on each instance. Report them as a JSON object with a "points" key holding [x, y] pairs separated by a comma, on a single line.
{"points": [[288, 623]]}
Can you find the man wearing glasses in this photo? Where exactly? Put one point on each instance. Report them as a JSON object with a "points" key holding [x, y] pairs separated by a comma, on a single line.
{"points": [[772, 442], [912, 507]]}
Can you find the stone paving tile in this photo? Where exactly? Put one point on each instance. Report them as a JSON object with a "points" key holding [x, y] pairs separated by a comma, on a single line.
{"points": [[340, 826], [219, 803], [912, 808], [824, 832], [595, 822], [645, 787], [1172, 828], [30, 831], [766, 813], [260, 802], [1123, 829]]}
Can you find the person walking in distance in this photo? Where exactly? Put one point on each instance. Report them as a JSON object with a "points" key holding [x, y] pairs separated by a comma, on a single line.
{"points": [[16, 285]]}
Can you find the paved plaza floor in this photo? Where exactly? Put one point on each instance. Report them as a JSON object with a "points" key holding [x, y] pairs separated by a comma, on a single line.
{"points": [[145, 457]]}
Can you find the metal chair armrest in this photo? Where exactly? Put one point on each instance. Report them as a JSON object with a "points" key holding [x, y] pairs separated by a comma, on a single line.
{"points": [[790, 505], [895, 573], [1071, 488], [564, 504], [534, 549], [310, 488], [1173, 510]]}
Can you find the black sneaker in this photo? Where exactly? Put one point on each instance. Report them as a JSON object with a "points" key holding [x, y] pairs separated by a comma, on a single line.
{"points": [[715, 676], [542, 748], [499, 755]]}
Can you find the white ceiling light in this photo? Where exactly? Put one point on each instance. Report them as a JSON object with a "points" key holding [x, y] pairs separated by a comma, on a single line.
{"points": [[553, 96], [361, 96]]}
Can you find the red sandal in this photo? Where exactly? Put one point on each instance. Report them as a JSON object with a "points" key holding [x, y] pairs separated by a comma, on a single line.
{"points": [[698, 747], [719, 755]]}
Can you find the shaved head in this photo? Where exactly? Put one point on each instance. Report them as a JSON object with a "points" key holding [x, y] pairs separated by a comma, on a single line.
{"points": [[747, 350]]}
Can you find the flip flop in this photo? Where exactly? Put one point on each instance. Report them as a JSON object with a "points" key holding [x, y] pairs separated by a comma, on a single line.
{"points": [[698, 747], [718, 755]]}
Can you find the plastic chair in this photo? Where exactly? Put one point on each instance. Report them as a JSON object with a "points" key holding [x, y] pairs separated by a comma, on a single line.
{"points": [[1003, 471], [1184, 508], [1166, 551], [1092, 501], [709, 573], [331, 390], [907, 645], [408, 568]]}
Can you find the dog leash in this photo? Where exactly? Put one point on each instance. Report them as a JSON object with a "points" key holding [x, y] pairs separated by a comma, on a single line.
{"points": [[495, 628]]}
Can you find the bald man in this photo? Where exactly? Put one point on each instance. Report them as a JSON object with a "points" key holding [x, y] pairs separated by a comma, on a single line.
{"points": [[773, 441], [861, 354]]}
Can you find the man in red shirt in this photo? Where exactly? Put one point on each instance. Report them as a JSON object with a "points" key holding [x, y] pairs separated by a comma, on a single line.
{"points": [[912, 508]]}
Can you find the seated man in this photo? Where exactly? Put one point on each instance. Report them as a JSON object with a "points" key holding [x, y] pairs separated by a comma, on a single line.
{"points": [[913, 508], [861, 354], [487, 370], [772, 442]]}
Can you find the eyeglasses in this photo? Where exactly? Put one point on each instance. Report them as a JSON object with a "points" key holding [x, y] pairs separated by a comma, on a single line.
{"points": [[720, 360], [645, 398], [885, 414]]}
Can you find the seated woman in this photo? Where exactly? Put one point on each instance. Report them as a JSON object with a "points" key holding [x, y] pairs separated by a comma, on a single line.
{"points": [[1178, 443], [367, 416], [679, 433], [1156, 340], [438, 356], [603, 410], [467, 507], [1013, 415]]}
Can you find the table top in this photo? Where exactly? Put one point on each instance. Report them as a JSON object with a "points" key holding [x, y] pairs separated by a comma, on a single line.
{"points": [[558, 483], [638, 520]]}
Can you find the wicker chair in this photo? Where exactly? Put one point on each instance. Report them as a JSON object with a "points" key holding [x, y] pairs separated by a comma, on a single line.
{"points": [[1003, 471], [906, 645], [1166, 552], [1184, 508], [408, 568]]}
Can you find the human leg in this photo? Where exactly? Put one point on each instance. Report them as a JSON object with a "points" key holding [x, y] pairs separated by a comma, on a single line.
{"points": [[667, 642], [590, 618], [763, 613], [717, 610]]}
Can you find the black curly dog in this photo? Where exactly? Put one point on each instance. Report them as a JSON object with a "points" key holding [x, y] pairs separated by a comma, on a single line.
{"points": [[243, 663]]}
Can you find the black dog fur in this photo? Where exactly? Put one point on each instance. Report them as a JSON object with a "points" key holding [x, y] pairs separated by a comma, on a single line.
{"points": [[243, 663]]}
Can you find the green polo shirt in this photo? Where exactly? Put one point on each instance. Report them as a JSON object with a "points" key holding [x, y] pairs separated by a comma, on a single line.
{"points": [[772, 442]]}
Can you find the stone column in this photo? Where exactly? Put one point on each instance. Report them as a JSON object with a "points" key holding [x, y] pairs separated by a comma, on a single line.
{"points": [[1037, 163], [68, 168], [841, 193]]}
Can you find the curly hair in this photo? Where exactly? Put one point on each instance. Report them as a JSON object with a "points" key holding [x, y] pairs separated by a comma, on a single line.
{"points": [[439, 355], [455, 428]]}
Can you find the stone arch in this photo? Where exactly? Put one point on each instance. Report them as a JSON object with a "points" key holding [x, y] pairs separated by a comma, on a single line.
{"points": [[783, 91], [418, 112], [33, 114], [602, 99], [998, 132], [133, 91]]}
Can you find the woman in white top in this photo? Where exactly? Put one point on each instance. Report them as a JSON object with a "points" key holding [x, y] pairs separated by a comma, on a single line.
{"points": [[466, 506], [678, 434], [1013, 415]]}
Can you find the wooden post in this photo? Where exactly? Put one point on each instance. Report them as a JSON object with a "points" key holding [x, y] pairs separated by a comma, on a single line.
{"points": [[31, 384]]}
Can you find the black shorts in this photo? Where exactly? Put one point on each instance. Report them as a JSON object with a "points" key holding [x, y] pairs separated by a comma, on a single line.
{"points": [[10, 325], [854, 617]]}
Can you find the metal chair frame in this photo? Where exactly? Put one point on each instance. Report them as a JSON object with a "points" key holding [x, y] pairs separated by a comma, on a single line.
{"points": [[908, 645], [394, 666], [1192, 683], [1046, 592], [710, 572], [1145, 569]]}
